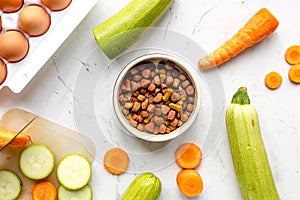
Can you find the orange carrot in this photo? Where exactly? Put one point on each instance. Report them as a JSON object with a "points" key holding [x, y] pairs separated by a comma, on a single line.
{"points": [[259, 26], [188, 156], [294, 73], [273, 80], [189, 182], [116, 161], [292, 55], [21, 141], [44, 190]]}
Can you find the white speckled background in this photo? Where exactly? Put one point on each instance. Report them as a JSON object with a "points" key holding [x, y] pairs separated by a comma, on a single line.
{"points": [[209, 23]]}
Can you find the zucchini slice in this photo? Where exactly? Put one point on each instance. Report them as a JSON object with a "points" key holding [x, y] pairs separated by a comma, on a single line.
{"points": [[84, 193], [74, 171], [37, 161], [10, 185]]}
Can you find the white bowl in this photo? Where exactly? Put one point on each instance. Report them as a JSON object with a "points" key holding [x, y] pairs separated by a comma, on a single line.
{"points": [[150, 136]]}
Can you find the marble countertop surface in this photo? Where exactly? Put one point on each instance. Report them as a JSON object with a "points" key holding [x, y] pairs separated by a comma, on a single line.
{"points": [[209, 24]]}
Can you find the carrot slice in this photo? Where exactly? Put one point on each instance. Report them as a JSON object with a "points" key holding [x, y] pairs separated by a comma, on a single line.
{"points": [[273, 80], [259, 26], [294, 73], [21, 141], [188, 156], [189, 182], [44, 190], [292, 55], [116, 161]]}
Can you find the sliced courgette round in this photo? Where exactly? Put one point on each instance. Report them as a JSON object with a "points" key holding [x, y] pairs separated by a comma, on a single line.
{"points": [[74, 171], [10, 185], [84, 193], [37, 161]]}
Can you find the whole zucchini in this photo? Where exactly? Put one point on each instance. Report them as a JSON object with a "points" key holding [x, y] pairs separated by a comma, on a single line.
{"points": [[247, 148], [146, 186], [123, 29]]}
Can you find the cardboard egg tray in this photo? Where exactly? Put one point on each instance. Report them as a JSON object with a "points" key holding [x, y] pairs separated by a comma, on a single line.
{"points": [[41, 48]]}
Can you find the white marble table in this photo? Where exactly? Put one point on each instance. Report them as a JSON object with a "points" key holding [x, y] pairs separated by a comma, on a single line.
{"points": [[209, 23]]}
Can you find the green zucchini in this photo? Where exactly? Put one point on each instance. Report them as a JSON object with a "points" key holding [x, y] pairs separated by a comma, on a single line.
{"points": [[146, 186], [249, 156], [123, 29]]}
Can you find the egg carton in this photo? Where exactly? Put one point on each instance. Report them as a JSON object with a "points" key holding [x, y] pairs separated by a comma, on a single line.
{"points": [[41, 48]]}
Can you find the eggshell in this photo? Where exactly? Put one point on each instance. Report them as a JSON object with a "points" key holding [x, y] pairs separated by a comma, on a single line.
{"points": [[14, 46], [9, 6], [57, 5], [34, 20], [3, 71]]}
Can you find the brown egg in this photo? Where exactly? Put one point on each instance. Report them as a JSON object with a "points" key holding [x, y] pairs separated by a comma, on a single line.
{"points": [[14, 46], [34, 20], [9, 6], [56, 5], [3, 71]]}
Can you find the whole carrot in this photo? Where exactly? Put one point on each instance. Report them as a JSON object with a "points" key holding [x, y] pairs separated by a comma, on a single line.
{"points": [[258, 27]]}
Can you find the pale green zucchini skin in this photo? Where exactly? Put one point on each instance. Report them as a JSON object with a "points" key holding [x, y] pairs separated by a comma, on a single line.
{"points": [[124, 28], [247, 148], [146, 186]]}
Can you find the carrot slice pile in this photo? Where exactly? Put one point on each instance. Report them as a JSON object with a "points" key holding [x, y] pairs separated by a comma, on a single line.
{"points": [[44, 190], [188, 156], [259, 26], [292, 55], [294, 73], [189, 182], [116, 161], [273, 80]]}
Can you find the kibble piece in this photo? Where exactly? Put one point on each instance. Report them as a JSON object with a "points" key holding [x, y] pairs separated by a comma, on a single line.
{"points": [[144, 113], [134, 71], [141, 127], [176, 82], [162, 77], [136, 106], [133, 122], [185, 83], [151, 87], [176, 107], [128, 105], [126, 86], [151, 108], [174, 122], [190, 90], [167, 94], [156, 81], [171, 115], [158, 111], [191, 100], [146, 73], [165, 109], [184, 117], [125, 111], [158, 98], [141, 97], [162, 128], [145, 83], [175, 97], [149, 127], [144, 105], [182, 77], [134, 85], [169, 80], [137, 78], [190, 107]]}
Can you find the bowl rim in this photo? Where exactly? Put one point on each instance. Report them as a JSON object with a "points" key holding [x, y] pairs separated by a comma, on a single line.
{"points": [[187, 68]]}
